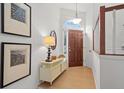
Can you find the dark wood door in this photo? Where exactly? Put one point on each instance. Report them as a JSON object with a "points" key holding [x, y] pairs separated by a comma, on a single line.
{"points": [[75, 49]]}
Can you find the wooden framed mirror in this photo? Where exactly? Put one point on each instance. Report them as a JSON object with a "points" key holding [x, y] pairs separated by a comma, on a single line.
{"points": [[53, 33]]}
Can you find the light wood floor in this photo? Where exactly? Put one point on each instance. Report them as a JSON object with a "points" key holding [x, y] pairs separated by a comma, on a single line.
{"points": [[73, 78]]}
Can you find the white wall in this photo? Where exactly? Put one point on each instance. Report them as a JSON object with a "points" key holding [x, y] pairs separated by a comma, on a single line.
{"points": [[109, 32], [87, 9], [26, 82], [114, 31], [107, 70], [96, 69], [111, 72], [45, 17], [87, 34]]}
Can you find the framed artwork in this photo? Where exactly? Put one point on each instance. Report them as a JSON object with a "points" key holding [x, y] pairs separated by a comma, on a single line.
{"points": [[53, 33], [16, 19], [16, 62]]}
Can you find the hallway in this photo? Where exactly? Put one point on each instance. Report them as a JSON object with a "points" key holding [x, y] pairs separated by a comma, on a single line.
{"points": [[73, 78]]}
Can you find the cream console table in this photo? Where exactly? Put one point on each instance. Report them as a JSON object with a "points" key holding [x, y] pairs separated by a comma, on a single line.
{"points": [[49, 71]]}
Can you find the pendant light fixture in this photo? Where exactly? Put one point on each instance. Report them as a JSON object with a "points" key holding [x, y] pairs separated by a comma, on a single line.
{"points": [[76, 20]]}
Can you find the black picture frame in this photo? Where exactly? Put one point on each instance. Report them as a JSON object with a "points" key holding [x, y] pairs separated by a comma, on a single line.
{"points": [[2, 62], [3, 23]]}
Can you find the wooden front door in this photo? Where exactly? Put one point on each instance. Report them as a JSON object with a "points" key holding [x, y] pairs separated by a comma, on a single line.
{"points": [[75, 48]]}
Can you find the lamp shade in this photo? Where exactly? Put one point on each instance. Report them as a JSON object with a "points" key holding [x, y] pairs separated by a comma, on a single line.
{"points": [[76, 20], [49, 40]]}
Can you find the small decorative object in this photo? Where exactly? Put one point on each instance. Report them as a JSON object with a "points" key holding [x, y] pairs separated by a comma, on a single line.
{"points": [[16, 62], [53, 33], [16, 19], [49, 41], [53, 57], [61, 56]]}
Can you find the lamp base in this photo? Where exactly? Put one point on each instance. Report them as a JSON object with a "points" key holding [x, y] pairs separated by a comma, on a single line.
{"points": [[48, 60]]}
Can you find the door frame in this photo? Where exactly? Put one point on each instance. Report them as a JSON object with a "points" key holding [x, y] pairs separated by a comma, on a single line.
{"points": [[66, 31], [67, 46]]}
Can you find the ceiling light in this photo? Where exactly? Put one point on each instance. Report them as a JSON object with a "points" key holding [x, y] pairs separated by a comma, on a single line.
{"points": [[76, 20]]}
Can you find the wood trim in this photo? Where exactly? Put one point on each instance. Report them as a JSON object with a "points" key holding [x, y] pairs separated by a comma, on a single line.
{"points": [[93, 40], [96, 52], [103, 10], [114, 7], [108, 54], [94, 30], [102, 30], [108, 9], [114, 54], [96, 23]]}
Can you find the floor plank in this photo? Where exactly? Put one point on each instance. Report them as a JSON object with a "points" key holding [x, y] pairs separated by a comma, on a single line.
{"points": [[73, 78]]}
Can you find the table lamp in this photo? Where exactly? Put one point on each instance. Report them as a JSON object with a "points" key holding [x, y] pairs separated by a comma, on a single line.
{"points": [[49, 41]]}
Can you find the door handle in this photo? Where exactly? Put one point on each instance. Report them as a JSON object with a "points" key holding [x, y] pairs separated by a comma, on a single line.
{"points": [[69, 50]]}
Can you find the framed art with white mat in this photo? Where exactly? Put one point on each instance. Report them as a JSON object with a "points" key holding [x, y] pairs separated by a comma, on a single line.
{"points": [[16, 19], [16, 62]]}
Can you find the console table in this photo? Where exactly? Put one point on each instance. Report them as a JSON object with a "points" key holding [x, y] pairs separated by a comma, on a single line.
{"points": [[49, 71]]}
